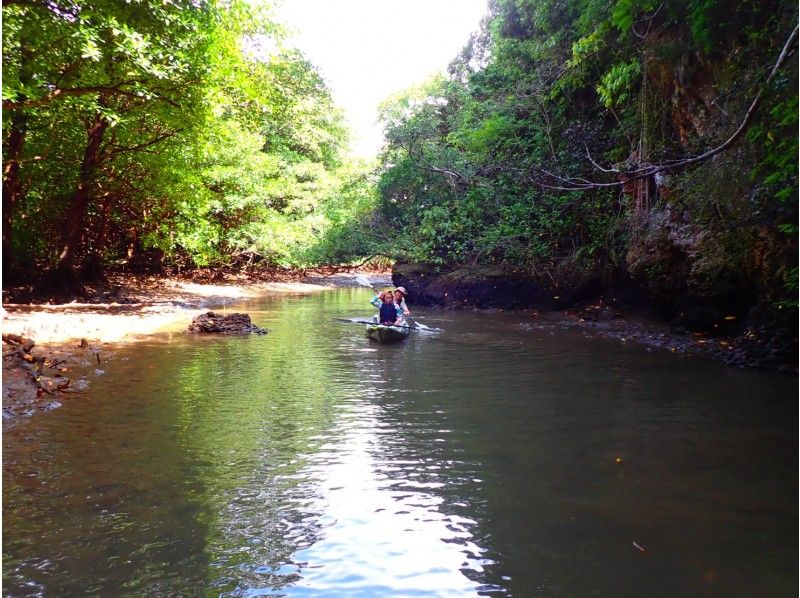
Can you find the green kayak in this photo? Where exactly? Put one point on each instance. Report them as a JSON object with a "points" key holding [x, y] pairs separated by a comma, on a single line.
{"points": [[387, 334]]}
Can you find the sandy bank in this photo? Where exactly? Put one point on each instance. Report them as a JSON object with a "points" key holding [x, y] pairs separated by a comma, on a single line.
{"points": [[144, 306]]}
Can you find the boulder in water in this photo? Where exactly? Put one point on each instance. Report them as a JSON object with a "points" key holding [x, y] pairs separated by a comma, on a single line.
{"points": [[211, 322]]}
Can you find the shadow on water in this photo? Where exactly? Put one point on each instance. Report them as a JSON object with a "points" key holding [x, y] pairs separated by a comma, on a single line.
{"points": [[486, 460]]}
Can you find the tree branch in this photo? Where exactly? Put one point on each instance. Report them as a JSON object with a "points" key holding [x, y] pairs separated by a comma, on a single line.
{"points": [[30, 3], [120, 149], [60, 92], [576, 184]]}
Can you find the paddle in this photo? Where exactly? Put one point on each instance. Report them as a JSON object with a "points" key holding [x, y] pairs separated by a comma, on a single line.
{"points": [[362, 322], [364, 282]]}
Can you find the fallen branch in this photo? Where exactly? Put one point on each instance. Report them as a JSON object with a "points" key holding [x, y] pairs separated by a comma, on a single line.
{"points": [[350, 267]]}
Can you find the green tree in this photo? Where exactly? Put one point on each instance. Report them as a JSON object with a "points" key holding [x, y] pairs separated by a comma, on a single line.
{"points": [[125, 77], [517, 158]]}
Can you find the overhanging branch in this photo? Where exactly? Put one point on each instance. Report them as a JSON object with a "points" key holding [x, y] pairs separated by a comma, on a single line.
{"points": [[626, 177]]}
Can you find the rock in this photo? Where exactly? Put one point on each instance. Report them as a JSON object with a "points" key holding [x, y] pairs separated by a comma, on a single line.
{"points": [[49, 383], [488, 288], [23, 343], [39, 354], [599, 313], [236, 323], [769, 340], [697, 319]]}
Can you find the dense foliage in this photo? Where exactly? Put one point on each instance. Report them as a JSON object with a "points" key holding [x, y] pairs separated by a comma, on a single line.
{"points": [[182, 130], [517, 159], [187, 132]]}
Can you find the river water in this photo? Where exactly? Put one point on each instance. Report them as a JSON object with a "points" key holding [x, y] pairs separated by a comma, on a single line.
{"points": [[492, 459]]}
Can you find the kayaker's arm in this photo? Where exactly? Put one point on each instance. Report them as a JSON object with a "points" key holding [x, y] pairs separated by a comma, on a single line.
{"points": [[376, 301]]}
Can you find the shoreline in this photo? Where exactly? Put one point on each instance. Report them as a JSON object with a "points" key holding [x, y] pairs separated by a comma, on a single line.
{"points": [[139, 306], [51, 352], [75, 341], [653, 335], [758, 336]]}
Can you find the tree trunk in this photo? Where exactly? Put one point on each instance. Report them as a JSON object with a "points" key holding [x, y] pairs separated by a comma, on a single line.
{"points": [[12, 154], [93, 264], [12, 185], [64, 276]]}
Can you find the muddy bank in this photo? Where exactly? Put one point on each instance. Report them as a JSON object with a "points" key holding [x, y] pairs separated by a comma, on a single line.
{"points": [[755, 348], [733, 331]]}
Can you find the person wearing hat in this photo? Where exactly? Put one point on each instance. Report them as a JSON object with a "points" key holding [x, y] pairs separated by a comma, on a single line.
{"points": [[400, 300], [384, 301]]}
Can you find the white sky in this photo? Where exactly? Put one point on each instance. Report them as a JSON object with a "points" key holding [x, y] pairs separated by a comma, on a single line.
{"points": [[370, 49]]}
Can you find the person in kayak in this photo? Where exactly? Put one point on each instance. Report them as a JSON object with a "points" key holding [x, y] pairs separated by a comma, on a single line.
{"points": [[400, 300], [390, 314]]}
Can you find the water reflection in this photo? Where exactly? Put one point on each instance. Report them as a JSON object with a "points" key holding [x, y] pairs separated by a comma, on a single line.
{"points": [[385, 531], [478, 462]]}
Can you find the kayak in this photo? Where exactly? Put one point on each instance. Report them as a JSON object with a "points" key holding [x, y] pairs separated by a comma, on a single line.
{"points": [[387, 334]]}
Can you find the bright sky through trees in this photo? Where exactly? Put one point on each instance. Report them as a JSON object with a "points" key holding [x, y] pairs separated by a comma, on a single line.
{"points": [[370, 49]]}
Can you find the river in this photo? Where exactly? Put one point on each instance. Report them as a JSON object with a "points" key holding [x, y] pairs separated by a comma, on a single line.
{"points": [[492, 459]]}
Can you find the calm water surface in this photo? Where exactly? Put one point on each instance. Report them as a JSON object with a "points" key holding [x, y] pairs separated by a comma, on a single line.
{"points": [[481, 461]]}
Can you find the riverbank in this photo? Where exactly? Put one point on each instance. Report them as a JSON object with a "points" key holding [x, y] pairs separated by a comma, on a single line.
{"points": [[75, 341], [70, 343], [130, 307], [738, 334], [746, 350]]}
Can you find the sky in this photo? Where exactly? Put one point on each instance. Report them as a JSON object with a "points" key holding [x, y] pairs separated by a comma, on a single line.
{"points": [[369, 49]]}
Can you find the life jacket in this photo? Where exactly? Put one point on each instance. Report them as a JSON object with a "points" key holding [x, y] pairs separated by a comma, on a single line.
{"points": [[388, 313]]}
